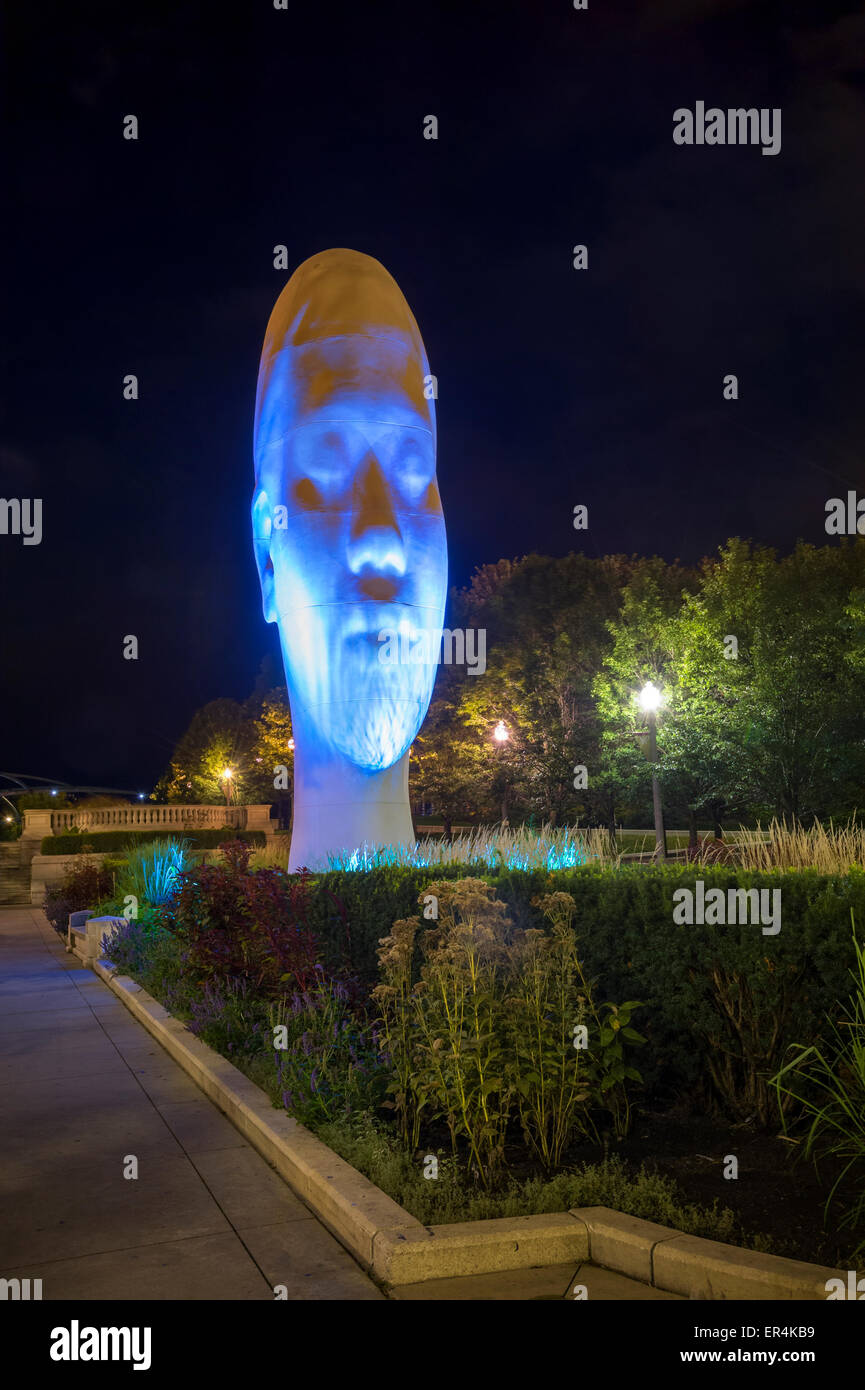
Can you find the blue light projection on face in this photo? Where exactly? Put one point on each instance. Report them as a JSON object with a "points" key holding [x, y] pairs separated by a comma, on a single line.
{"points": [[347, 520]]}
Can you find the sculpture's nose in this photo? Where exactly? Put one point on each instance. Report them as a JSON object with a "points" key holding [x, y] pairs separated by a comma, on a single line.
{"points": [[376, 554]]}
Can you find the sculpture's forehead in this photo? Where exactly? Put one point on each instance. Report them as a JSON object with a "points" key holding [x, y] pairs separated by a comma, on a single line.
{"points": [[341, 338], [365, 373], [349, 382]]}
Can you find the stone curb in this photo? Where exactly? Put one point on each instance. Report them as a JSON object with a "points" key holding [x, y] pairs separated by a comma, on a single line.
{"points": [[694, 1267], [398, 1249]]}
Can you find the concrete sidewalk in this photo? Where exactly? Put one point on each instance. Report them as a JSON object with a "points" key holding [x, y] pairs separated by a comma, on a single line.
{"points": [[529, 1285], [83, 1085]]}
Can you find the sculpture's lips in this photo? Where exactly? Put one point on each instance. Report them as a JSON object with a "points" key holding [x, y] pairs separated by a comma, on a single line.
{"points": [[379, 590], [389, 630], [370, 619]]}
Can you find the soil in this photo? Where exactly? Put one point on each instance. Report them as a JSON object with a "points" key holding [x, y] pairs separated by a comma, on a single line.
{"points": [[777, 1192]]}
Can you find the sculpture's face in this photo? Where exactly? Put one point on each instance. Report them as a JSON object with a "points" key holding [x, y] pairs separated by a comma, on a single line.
{"points": [[347, 518]]}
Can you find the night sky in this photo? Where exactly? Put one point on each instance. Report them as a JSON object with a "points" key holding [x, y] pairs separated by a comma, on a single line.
{"points": [[556, 386]]}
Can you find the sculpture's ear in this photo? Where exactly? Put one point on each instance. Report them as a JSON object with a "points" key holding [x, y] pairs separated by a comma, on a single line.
{"points": [[262, 524]]}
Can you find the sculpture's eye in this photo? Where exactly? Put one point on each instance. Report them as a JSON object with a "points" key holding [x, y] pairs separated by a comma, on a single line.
{"points": [[413, 473], [306, 494], [323, 458]]}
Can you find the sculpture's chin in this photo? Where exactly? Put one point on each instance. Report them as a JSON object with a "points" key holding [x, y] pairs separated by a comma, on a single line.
{"points": [[372, 719], [375, 736], [360, 701]]}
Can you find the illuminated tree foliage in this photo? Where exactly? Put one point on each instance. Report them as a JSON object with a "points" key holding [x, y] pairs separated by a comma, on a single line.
{"points": [[250, 739], [760, 659]]}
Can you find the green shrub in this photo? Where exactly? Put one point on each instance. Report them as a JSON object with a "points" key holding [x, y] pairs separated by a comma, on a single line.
{"points": [[722, 1003], [241, 925], [488, 1029], [330, 1065], [380, 1156], [568, 1052], [102, 841], [351, 911], [83, 885], [230, 1017], [152, 956], [111, 906], [828, 1081]]}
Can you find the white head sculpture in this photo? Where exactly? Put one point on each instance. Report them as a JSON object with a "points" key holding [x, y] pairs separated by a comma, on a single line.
{"points": [[349, 541]]}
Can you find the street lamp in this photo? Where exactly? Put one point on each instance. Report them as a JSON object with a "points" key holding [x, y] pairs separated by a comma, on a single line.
{"points": [[226, 777], [500, 737], [286, 816], [650, 700]]}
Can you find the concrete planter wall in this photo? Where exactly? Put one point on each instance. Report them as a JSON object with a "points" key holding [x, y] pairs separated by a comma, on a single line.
{"points": [[46, 871]]}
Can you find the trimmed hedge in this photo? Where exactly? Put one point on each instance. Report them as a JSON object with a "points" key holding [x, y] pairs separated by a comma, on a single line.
{"points": [[351, 910], [106, 840], [716, 996]]}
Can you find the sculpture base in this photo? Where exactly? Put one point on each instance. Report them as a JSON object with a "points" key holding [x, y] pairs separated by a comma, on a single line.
{"points": [[342, 827]]}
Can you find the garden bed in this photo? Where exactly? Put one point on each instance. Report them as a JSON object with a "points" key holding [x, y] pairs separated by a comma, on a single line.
{"points": [[669, 1169], [776, 1193], [237, 956], [398, 1249]]}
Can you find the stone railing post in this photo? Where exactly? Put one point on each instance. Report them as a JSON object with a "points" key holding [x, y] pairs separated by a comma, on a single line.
{"points": [[258, 818], [37, 824]]}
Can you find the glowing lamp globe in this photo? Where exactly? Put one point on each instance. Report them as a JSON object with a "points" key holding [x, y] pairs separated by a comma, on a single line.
{"points": [[650, 697]]}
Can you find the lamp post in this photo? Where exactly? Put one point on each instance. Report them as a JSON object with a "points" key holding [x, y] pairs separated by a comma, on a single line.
{"points": [[500, 738], [226, 777], [650, 700]]}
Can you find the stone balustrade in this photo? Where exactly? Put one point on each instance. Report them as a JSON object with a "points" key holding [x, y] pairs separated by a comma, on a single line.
{"points": [[145, 816]]}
